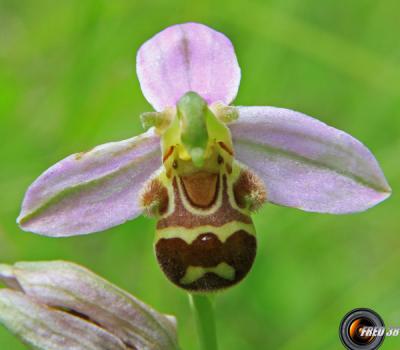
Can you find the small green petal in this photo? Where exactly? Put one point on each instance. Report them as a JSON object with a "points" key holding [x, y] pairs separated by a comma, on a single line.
{"points": [[192, 112]]}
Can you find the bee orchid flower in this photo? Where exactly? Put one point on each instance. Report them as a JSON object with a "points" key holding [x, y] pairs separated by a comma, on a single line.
{"points": [[203, 166]]}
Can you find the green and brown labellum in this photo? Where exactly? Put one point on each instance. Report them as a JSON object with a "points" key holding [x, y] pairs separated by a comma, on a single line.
{"points": [[207, 264], [206, 243], [205, 237]]}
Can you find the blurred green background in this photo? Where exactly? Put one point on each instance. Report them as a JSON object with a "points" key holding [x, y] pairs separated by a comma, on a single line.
{"points": [[68, 82]]}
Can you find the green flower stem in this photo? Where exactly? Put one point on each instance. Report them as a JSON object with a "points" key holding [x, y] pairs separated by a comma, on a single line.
{"points": [[205, 322]]}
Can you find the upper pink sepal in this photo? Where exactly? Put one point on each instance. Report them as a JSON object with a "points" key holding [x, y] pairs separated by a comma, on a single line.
{"points": [[91, 191], [307, 164], [187, 57]]}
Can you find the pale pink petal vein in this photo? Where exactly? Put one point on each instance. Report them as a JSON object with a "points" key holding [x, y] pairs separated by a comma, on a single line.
{"points": [[91, 191], [307, 164], [188, 57]]}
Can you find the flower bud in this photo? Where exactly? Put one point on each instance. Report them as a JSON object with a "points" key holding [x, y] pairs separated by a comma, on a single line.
{"points": [[61, 305]]}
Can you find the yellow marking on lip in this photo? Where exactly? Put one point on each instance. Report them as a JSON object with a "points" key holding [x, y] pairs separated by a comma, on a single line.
{"points": [[190, 234], [162, 176], [236, 170], [194, 273]]}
